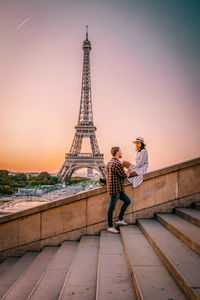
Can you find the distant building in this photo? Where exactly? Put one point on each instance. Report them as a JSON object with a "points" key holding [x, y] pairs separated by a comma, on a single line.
{"points": [[27, 173], [90, 172], [34, 174]]}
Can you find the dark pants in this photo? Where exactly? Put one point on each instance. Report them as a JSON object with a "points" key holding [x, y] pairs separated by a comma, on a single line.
{"points": [[113, 201]]}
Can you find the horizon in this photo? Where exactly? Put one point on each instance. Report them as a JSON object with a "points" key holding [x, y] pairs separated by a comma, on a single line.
{"points": [[80, 171]]}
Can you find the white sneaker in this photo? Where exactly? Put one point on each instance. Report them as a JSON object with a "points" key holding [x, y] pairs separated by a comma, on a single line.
{"points": [[121, 222], [112, 230]]}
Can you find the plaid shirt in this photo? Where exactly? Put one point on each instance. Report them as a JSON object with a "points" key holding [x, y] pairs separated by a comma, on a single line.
{"points": [[115, 176]]}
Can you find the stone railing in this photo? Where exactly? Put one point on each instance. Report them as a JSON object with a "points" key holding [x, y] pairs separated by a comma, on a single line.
{"points": [[86, 213]]}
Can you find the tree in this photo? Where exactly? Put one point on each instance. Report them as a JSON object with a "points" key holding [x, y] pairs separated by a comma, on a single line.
{"points": [[45, 181], [19, 179], [7, 190], [43, 175], [53, 180], [4, 177], [33, 182]]}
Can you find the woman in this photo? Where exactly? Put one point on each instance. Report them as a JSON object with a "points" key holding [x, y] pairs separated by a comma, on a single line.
{"points": [[136, 171]]}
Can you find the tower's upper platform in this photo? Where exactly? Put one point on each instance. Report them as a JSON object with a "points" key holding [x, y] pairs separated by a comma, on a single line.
{"points": [[86, 42]]}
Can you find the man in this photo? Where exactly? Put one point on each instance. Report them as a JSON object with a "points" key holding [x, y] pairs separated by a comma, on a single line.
{"points": [[115, 187]]}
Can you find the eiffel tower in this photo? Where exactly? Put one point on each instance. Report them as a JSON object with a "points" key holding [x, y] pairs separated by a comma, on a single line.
{"points": [[85, 128]]}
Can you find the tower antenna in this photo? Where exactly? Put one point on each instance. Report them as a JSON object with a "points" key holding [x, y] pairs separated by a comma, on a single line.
{"points": [[86, 32]]}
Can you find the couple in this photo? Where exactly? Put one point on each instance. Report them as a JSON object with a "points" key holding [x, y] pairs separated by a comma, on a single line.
{"points": [[115, 179]]}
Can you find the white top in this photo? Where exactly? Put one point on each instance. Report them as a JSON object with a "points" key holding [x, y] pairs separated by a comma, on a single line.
{"points": [[141, 164], [140, 167]]}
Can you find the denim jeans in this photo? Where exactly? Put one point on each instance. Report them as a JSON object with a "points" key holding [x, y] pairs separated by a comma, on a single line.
{"points": [[113, 202]]}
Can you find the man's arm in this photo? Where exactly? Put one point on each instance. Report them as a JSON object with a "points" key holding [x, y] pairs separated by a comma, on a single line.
{"points": [[120, 171]]}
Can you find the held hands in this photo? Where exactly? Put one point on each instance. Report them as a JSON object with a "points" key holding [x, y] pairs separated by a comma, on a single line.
{"points": [[130, 173]]}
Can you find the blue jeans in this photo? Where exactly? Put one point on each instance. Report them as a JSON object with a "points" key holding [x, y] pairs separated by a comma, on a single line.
{"points": [[113, 202]]}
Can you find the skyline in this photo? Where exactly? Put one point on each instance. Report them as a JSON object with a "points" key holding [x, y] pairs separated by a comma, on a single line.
{"points": [[144, 73]]}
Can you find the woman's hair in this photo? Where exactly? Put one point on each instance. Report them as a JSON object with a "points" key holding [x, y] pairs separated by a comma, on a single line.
{"points": [[142, 146]]}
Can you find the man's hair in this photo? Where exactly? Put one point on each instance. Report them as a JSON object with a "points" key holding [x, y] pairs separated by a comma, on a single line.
{"points": [[114, 150]]}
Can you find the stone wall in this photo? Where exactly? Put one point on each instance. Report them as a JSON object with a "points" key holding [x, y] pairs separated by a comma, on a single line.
{"points": [[86, 213]]}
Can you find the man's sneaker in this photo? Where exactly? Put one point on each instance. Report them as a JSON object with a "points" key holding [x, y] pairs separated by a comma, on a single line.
{"points": [[121, 222], [112, 230]]}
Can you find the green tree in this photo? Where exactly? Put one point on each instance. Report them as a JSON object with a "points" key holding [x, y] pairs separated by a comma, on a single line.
{"points": [[53, 180], [78, 179], [33, 182], [45, 181], [43, 175], [19, 179], [1, 189], [4, 177], [7, 190]]}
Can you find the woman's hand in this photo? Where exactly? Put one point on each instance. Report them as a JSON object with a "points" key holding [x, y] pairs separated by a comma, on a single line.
{"points": [[130, 173]]}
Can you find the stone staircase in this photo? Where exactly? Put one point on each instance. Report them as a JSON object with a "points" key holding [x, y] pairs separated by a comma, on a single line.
{"points": [[155, 259]]}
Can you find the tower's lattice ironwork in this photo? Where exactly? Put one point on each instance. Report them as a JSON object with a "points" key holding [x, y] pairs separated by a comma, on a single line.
{"points": [[85, 128]]}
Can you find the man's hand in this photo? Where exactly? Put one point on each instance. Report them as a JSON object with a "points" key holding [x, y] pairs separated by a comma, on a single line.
{"points": [[130, 173]]}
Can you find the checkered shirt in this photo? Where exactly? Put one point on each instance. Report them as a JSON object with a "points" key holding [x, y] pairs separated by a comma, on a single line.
{"points": [[115, 176]]}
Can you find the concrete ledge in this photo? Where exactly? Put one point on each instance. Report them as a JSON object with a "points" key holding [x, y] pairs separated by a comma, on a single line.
{"points": [[88, 194], [86, 213], [173, 168]]}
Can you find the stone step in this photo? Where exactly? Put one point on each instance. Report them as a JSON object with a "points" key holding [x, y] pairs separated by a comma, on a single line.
{"points": [[181, 261], [7, 264], [190, 214], [10, 277], [113, 280], [80, 283], [27, 281], [150, 276], [51, 283], [196, 205], [184, 230]]}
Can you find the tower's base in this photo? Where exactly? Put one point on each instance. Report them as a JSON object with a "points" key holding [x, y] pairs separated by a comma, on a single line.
{"points": [[73, 162]]}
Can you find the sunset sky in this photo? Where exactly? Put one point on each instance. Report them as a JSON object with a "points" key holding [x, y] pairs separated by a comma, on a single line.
{"points": [[145, 70]]}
